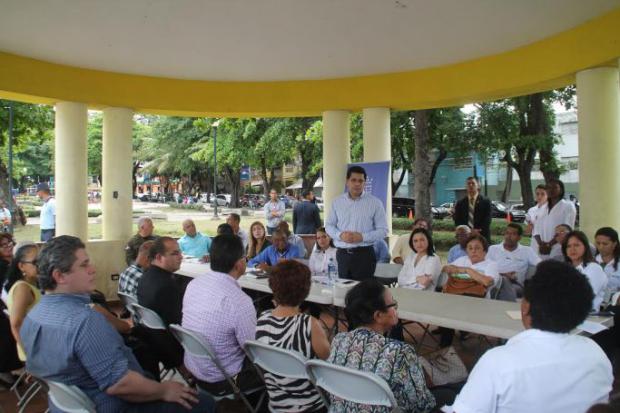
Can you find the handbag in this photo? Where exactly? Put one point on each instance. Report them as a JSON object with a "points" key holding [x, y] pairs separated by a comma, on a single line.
{"points": [[444, 366], [460, 286]]}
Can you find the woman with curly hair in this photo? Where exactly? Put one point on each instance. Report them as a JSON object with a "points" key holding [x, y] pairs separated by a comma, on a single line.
{"points": [[287, 327]]}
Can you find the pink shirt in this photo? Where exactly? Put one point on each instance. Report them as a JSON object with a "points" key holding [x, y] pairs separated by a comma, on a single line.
{"points": [[215, 307]]}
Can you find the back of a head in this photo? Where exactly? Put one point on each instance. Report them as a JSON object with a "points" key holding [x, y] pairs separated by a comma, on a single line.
{"points": [[158, 247], [226, 250], [290, 282], [225, 229], [362, 301], [560, 297], [58, 253]]}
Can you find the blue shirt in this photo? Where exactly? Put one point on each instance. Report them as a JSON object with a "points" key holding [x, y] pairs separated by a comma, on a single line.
{"points": [[455, 252], [365, 215], [271, 255], [69, 342], [198, 246], [382, 252], [48, 214]]}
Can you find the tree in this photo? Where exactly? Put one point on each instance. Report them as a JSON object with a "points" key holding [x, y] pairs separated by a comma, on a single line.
{"points": [[422, 166]]}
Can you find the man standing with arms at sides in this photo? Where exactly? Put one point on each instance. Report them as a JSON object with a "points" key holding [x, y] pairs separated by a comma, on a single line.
{"points": [[474, 210], [145, 233], [48, 212], [356, 220], [306, 216], [274, 212]]}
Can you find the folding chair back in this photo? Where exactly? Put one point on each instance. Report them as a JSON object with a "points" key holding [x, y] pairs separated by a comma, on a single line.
{"points": [[497, 289], [147, 317], [69, 399], [353, 385], [387, 272], [286, 363], [127, 300]]}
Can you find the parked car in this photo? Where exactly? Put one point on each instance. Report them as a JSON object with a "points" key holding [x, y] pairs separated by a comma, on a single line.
{"points": [[223, 199], [440, 212], [402, 206], [517, 213], [498, 209]]}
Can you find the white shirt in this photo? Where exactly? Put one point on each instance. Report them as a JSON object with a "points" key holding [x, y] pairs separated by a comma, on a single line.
{"points": [[518, 260], [613, 275], [563, 212], [598, 282], [402, 248], [531, 216], [486, 267], [538, 371], [427, 265], [48, 214], [319, 260], [244, 238]]}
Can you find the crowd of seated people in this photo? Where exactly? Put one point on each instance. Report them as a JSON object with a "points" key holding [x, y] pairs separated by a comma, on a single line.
{"points": [[62, 334]]}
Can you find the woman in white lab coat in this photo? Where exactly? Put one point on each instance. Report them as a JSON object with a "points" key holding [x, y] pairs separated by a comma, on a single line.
{"points": [[421, 269], [558, 211]]}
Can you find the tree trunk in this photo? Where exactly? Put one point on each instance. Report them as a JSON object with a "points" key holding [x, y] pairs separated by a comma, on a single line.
{"points": [[272, 180], [508, 186], [264, 177], [397, 184], [525, 177], [234, 178], [549, 164], [422, 166], [443, 154], [134, 175]]}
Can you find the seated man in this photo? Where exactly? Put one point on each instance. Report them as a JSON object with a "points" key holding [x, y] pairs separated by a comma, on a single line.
{"points": [[279, 250], [544, 368], [69, 342], [128, 281], [234, 220], [215, 307], [382, 251], [162, 291], [294, 239], [145, 233], [513, 260], [461, 233], [194, 243]]}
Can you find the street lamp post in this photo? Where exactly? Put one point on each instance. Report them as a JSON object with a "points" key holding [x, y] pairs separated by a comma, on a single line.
{"points": [[214, 125], [10, 167]]}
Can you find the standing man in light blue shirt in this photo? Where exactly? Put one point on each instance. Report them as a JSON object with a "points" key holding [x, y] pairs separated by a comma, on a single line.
{"points": [[194, 243], [274, 212], [48, 212], [356, 221]]}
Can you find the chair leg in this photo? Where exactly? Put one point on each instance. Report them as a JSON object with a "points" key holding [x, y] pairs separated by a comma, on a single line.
{"points": [[28, 397]]}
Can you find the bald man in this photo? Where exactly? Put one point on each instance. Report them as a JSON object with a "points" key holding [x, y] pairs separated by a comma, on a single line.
{"points": [[194, 243]]}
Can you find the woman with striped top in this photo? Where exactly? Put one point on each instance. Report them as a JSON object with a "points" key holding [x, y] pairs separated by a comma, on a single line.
{"points": [[287, 327]]}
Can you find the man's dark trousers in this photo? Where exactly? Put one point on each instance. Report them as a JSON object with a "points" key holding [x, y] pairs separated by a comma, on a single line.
{"points": [[356, 263]]}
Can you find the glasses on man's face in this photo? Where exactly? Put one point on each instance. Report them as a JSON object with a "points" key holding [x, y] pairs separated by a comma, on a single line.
{"points": [[33, 262], [6, 244], [394, 304]]}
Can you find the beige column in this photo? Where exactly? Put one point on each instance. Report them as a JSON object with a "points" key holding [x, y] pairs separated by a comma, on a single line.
{"points": [[336, 154], [378, 146], [598, 97], [71, 170], [116, 201]]}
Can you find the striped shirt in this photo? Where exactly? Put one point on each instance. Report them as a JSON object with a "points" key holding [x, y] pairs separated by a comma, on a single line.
{"points": [[365, 215], [67, 341], [215, 307], [290, 333]]}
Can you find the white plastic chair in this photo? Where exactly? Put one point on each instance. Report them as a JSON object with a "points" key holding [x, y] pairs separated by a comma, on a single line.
{"points": [[69, 399], [352, 385], [279, 361], [127, 301], [387, 272], [198, 347]]}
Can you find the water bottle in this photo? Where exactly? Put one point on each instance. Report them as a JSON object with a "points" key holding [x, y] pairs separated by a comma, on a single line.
{"points": [[332, 273]]}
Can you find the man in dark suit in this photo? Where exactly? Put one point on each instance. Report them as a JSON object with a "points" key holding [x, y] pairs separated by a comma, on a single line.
{"points": [[474, 210], [306, 216]]}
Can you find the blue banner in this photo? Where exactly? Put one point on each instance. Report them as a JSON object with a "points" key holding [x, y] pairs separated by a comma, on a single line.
{"points": [[245, 173], [378, 175]]}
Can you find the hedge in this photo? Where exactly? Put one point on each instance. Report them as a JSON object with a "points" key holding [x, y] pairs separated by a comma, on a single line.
{"points": [[498, 226], [34, 213], [197, 207]]}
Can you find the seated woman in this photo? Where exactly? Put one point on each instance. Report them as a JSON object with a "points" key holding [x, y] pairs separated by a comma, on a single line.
{"points": [[421, 270], [576, 251], [23, 290], [371, 312], [608, 247], [323, 251], [287, 327], [258, 239]]}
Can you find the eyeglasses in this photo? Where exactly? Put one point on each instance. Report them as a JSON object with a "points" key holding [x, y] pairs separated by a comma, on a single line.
{"points": [[33, 262], [7, 244], [394, 304]]}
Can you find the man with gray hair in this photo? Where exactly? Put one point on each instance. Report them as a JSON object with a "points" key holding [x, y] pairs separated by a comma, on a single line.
{"points": [[145, 233], [461, 233], [69, 342], [193, 243]]}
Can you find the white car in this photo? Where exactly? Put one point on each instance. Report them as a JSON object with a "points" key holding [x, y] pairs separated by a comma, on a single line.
{"points": [[223, 199]]}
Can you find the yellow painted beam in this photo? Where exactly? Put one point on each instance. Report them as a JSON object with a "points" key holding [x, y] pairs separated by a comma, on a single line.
{"points": [[542, 65]]}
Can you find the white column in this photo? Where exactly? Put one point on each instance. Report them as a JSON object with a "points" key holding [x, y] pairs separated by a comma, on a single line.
{"points": [[598, 97], [378, 146], [336, 154], [116, 200], [71, 170]]}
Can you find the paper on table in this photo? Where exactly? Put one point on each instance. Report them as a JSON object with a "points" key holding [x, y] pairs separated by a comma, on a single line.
{"points": [[447, 409], [591, 327], [515, 315]]}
